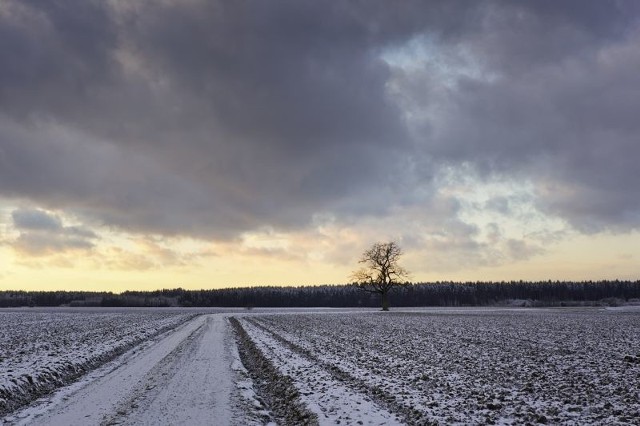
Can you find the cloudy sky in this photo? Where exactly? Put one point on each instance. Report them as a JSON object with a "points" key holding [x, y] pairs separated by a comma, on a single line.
{"points": [[198, 143]]}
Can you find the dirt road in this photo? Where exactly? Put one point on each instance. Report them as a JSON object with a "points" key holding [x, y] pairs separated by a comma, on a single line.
{"points": [[185, 377]]}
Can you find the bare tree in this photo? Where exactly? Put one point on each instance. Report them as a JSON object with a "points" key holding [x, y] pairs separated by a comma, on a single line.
{"points": [[381, 271]]}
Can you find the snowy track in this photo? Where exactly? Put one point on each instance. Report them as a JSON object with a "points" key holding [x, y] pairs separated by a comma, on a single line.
{"points": [[44, 349], [183, 378]]}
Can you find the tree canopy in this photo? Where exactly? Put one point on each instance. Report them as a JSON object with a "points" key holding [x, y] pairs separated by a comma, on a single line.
{"points": [[381, 271]]}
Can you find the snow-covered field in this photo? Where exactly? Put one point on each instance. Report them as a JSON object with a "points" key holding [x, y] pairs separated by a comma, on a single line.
{"points": [[310, 366], [460, 367], [42, 349]]}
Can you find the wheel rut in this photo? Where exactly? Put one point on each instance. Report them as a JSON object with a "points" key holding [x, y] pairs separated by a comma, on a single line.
{"points": [[407, 414]]}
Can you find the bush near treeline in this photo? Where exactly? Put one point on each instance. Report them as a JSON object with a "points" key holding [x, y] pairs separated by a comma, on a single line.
{"points": [[519, 293]]}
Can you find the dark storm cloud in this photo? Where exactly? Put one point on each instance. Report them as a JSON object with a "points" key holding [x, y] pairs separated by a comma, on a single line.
{"points": [[54, 54], [64, 169], [212, 117]]}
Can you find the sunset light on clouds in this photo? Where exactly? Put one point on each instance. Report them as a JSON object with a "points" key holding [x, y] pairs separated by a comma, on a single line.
{"points": [[208, 144]]}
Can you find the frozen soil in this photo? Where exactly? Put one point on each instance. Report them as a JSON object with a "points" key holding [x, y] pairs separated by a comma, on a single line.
{"points": [[483, 367]]}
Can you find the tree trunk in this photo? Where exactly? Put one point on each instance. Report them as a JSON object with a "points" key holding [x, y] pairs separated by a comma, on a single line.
{"points": [[385, 300]]}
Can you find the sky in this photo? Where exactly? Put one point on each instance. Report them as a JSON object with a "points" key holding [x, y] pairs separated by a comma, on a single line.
{"points": [[206, 144]]}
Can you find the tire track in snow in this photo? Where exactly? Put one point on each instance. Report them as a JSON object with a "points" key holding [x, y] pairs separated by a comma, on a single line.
{"points": [[138, 406], [184, 378], [276, 390], [382, 397], [334, 401], [192, 386]]}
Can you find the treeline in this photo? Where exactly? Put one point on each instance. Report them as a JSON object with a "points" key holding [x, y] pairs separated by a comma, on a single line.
{"points": [[518, 293], [88, 299]]}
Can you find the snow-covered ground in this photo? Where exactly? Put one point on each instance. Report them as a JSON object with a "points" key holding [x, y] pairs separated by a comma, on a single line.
{"points": [[190, 375], [44, 349], [333, 401], [411, 366], [469, 366]]}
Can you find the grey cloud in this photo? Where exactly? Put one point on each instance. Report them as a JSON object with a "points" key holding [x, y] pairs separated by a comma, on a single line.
{"points": [[54, 55], [494, 233], [210, 118], [498, 204], [553, 103], [104, 184], [42, 233], [243, 117], [81, 232], [38, 244], [522, 250], [518, 36], [28, 219]]}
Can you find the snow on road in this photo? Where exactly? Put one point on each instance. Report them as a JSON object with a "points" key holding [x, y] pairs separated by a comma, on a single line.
{"points": [[186, 377], [42, 349], [200, 391]]}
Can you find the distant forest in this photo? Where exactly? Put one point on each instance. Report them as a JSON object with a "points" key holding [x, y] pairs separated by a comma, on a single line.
{"points": [[514, 293]]}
